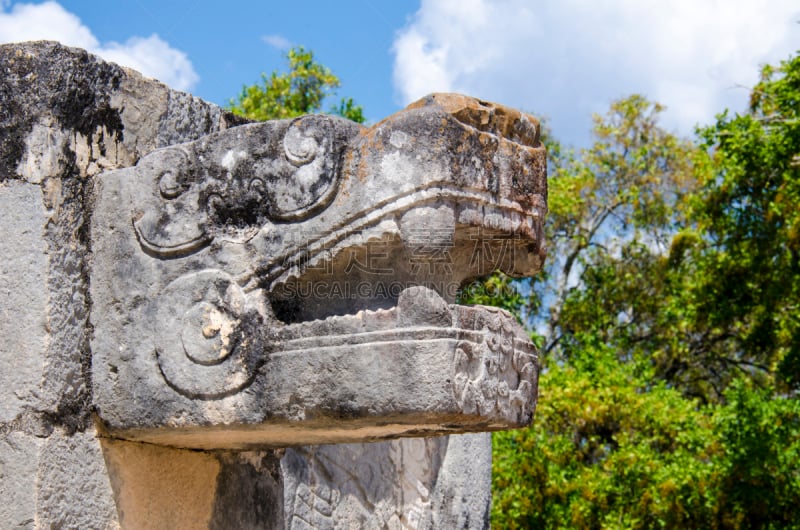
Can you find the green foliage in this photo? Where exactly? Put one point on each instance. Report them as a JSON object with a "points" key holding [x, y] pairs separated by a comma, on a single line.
{"points": [[622, 196], [300, 91], [749, 289], [609, 448], [348, 109], [496, 290], [613, 211], [684, 255], [671, 302], [758, 468]]}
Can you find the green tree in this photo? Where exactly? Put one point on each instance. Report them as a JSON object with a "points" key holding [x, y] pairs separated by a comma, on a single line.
{"points": [[302, 90], [612, 448], [668, 394], [748, 255], [612, 211], [681, 255], [757, 469], [608, 449], [732, 279]]}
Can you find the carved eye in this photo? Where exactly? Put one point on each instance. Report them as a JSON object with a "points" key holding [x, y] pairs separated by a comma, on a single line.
{"points": [[169, 186], [300, 145], [170, 169], [197, 344], [178, 230]]}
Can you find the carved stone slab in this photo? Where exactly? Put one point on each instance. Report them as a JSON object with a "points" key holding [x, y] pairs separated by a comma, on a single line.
{"points": [[292, 282]]}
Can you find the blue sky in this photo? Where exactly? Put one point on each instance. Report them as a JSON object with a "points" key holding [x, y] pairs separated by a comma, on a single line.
{"points": [[561, 59]]}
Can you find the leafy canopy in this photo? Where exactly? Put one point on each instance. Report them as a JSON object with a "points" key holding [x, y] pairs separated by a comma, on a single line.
{"points": [[747, 213], [613, 447], [302, 90], [669, 315]]}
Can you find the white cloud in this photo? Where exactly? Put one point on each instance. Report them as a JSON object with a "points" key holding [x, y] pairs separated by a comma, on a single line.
{"points": [[154, 57], [45, 21], [278, 42], [151, 55], [570, 58]]}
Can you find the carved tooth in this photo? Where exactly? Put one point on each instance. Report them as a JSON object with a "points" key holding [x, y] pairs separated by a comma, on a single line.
{"points": [[421, 306]]}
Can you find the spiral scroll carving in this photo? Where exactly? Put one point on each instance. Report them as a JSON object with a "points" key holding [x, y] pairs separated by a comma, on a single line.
{"points": [[309, 145], [281, 172], [207, 338]]}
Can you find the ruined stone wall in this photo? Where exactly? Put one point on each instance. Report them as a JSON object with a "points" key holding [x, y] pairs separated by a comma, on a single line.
{"points": [[65, 116]]}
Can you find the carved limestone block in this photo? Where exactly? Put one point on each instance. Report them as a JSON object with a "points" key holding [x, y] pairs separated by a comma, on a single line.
{"points": [[293, 282]]}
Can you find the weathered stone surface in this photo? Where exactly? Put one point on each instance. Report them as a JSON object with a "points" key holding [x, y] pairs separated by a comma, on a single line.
{"points": [[463, 494], [64, 116], [161, 487], [23, 289], [440, 482], [73, 488], [291, 282], [64, 109], [19, 457]]}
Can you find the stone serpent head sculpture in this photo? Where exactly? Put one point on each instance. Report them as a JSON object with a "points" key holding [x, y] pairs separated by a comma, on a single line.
{"points": [[316, 249]]}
